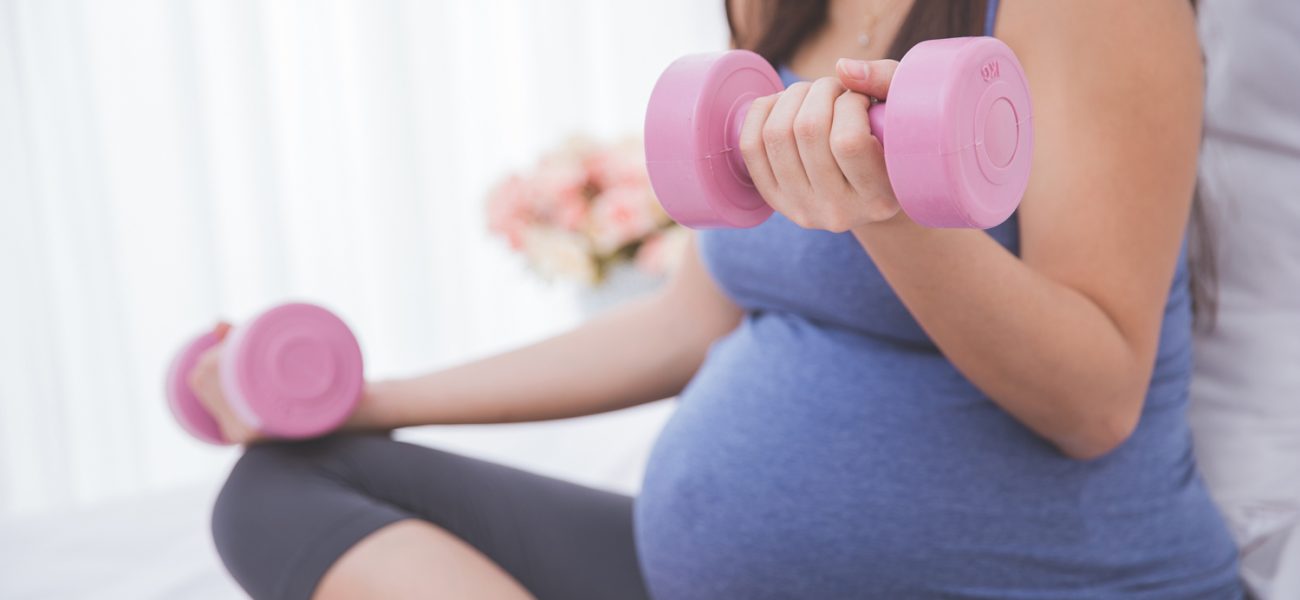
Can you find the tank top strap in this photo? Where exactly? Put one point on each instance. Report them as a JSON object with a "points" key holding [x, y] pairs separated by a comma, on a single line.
{"points": [[990, 17]]}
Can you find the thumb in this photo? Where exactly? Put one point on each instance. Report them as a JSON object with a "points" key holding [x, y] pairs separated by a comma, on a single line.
{"points": [[867, 77], [221, 329]]}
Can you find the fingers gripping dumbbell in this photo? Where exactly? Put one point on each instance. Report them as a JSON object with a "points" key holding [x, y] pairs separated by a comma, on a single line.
{"points": [[294, 371], [957, 132]]}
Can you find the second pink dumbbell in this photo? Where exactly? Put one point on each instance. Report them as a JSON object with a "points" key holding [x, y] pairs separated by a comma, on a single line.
{"points": [[293, 372], [957, 133]]}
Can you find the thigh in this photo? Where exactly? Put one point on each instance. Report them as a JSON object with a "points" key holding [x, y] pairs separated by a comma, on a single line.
{"points": [[558, 539]]}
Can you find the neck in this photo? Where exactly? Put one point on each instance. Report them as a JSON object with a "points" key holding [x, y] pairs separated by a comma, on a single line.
{"points": [[846, 21]]}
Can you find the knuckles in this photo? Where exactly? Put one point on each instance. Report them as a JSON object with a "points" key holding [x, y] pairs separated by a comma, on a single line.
{"points": [[799, 88], [813, 121], [849, 141], [820, 214], [800, 218], [751, 136], [850, 144], [839, 214], [827, 85], [882, 209], [838, 223], [809, 128], [850, 100], [836, 219], [774, 134]]}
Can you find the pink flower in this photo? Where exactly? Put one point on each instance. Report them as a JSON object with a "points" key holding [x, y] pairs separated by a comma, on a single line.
{"points": [[622, 215], [562, 196], [621, 164], [510, 209], [564, 185], [579, 208], [557, 178], [662, 252]]}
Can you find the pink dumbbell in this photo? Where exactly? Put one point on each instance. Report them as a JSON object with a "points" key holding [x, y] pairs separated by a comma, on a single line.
{"points": [[293, 372], [957, 134]]}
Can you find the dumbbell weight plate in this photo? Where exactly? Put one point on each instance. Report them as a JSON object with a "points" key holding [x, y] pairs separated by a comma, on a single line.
{"points": [[691, 125], [294, 372], [185, 406], [959, 132]]}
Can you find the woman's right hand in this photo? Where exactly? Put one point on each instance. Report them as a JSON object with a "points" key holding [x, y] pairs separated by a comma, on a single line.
{"points": [[205, 381]]}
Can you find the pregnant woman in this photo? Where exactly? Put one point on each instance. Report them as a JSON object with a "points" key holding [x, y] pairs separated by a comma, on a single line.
{"points": [[868, 408]]}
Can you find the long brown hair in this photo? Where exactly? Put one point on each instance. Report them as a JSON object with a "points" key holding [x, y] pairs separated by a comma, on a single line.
{"points": [[782, 26]]}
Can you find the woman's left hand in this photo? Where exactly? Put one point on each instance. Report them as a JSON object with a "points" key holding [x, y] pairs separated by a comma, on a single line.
{"points": [[811, 154]]}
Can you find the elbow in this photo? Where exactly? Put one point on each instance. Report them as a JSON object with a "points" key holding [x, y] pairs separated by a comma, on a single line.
{"points": [[1101, 434]]}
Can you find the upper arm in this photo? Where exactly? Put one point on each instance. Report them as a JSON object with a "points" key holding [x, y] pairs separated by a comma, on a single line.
{"points": [[694, 298], [1117, 96]]}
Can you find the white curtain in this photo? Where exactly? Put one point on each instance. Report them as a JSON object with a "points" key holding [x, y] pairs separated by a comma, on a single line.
{"points": [[166, 162]]}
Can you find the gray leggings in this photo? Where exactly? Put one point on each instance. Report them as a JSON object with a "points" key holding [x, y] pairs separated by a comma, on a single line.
{"points": [[289, 510]]}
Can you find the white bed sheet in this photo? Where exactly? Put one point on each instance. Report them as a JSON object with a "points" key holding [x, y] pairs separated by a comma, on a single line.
{"points": [[158, 547], [154, 547]]}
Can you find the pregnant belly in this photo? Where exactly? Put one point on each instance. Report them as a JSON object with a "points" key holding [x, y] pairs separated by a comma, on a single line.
{"points": [[807, 463], [795, 466]]}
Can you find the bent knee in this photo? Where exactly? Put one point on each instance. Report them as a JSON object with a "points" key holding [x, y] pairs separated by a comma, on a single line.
{"points": [[278, 498], [272, 480]]}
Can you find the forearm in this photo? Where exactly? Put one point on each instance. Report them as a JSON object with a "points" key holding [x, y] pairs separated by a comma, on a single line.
{"points": [[1041, 350], [639, 353]]}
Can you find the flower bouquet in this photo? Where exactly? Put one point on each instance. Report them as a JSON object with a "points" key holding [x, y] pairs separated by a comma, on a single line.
{"points": [[585, 209]]}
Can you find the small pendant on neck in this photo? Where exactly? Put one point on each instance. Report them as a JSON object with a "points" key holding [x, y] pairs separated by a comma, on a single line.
{"points": [[864, 39]]}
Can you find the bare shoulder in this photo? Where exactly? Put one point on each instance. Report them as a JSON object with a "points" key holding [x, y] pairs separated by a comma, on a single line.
{"points": [[1117, 87], [1101, 48]]}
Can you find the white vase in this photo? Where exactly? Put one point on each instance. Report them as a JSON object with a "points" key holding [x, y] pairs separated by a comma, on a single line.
{"points": [[623, 282]]}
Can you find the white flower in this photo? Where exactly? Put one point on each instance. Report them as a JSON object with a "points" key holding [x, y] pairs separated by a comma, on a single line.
{"points": [[560, 254], [663, 252]]}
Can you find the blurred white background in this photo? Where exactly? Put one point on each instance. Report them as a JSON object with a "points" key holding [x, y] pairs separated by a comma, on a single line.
{"points": [[164, 163], [167, 162]]}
